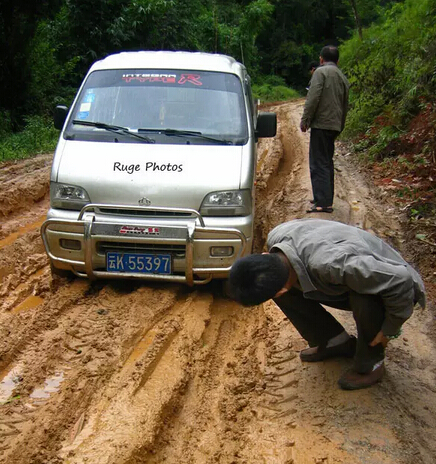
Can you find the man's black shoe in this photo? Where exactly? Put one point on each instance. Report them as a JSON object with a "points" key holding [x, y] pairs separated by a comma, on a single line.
{"points": [[319, 353]]}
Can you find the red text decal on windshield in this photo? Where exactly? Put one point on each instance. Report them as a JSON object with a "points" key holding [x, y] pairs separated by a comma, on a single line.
{"points": [[167, 78], [192, 78]]}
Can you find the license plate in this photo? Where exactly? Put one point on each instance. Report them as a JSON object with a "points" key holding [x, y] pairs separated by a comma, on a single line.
{"points": [[138, 263]]}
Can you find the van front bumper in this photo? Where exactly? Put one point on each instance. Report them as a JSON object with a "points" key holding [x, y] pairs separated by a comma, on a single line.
{"points": [[177, 232]]}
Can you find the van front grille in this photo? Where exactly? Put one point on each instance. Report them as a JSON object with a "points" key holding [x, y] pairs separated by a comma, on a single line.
{"points": [[142, 213], [178, 251]]}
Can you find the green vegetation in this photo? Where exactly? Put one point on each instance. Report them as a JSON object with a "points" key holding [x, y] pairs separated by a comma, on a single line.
{"points": [[39, 136], [393, 74], [273, 89], [392, 119], [268, 93], [388, 52]]}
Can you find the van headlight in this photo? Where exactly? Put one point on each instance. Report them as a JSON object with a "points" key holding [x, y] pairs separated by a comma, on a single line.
{"points": [[65, 196], [227, 203]]}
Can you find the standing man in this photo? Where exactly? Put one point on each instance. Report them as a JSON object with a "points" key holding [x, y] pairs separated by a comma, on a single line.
{"points": [[313, 262], [325, 111]]}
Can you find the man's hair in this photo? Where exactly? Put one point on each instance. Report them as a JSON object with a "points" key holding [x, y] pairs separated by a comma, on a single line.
{"points": [[257, 278], [313, 64], [330, 53]]}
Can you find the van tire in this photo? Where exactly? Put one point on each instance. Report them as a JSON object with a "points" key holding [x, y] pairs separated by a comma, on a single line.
{"points": [[225, 288], [62, 273]]}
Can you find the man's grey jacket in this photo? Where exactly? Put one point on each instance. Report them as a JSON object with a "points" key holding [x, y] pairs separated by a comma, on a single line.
{"points": [[327, 100], [331, 259]]}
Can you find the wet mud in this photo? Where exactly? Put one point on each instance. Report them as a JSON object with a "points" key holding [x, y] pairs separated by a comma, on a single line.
{"points": [[121, 372]]}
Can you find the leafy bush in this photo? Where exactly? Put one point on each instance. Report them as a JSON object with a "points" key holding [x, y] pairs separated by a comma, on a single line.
{"points": [[39, 136], [385, 137], [392, 71], [273, 80], [273, 88]]}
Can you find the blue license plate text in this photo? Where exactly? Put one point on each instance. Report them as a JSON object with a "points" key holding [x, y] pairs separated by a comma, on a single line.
{"points": [[138, 263]]}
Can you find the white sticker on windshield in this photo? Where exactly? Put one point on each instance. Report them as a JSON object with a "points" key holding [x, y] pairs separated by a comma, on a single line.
{"points": [[85, 107]]}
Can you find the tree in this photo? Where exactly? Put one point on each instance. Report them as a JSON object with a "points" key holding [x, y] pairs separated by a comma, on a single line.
{"points": [[18, 23], [357, 18]]}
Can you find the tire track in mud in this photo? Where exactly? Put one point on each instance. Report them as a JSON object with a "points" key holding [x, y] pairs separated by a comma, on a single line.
{"points": [[277, 405], [208, 424], [217, 418], [282, 187], [63, 368], [137, 399]]}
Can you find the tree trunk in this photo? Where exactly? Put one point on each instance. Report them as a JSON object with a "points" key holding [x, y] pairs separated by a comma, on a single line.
{"points": [[357, 18]]}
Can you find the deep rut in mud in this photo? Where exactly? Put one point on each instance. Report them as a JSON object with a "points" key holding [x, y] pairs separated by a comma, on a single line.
{"points": [[126, 372]]}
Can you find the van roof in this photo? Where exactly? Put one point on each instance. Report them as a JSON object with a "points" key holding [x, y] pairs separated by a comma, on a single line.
{"points": [[170, 60]]}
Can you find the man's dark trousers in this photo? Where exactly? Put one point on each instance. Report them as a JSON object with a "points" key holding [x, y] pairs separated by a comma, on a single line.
{"points": [[316, 325], [321, 151]]}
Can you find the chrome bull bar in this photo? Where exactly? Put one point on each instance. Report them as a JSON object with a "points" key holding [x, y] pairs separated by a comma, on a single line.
{"points": [[87, 219]]}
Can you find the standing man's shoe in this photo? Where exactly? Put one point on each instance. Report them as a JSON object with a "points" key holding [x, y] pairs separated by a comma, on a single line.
{"points": [[352, 380]]}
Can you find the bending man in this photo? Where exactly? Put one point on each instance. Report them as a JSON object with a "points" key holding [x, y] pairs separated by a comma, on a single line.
{"points": [[313, 262]]}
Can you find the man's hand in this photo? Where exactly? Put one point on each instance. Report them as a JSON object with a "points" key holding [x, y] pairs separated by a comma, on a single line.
{"points": [[380, 338], [303, 127]]}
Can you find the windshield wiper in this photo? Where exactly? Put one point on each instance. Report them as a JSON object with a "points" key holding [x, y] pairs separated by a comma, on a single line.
{"points": [[112, 128], [186, 133]]}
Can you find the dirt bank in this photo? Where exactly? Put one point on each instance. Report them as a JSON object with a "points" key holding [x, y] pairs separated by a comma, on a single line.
{"points": [[125, 373]]}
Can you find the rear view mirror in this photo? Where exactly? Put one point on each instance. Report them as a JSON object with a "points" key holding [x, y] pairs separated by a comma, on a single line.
{"points": [[266, 125], [60, 115]]}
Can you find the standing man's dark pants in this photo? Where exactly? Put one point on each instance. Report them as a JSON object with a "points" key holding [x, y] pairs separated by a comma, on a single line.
{"points": [[317, 326], [321, 151]]}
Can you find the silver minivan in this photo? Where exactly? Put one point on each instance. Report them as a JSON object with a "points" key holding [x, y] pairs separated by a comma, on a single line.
{"points": [[153, 175]]}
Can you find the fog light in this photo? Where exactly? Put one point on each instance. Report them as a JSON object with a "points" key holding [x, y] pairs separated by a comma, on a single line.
{"points": [[70, 244], [221, 251]]}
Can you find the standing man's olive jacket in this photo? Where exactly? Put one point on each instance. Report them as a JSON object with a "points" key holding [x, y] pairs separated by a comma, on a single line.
{"points": [[327, 100]]}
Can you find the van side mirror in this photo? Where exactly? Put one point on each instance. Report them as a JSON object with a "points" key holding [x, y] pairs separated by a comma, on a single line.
{"points": [[59, 117], [266, 125]]}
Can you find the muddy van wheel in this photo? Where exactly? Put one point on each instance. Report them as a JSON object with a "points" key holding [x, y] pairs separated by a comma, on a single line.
{"points": [[63, 273], [225, 288]]}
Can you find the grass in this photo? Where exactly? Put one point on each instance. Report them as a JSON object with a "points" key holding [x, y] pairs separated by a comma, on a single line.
{"points": [[272, 89], [39, 136], [270, 93]]}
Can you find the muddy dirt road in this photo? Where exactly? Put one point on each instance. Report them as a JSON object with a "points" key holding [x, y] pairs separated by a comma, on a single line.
{"points": [[125, 373]]}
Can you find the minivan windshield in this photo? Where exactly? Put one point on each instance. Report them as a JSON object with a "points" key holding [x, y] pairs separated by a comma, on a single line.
{"points": [[199, 106]]}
